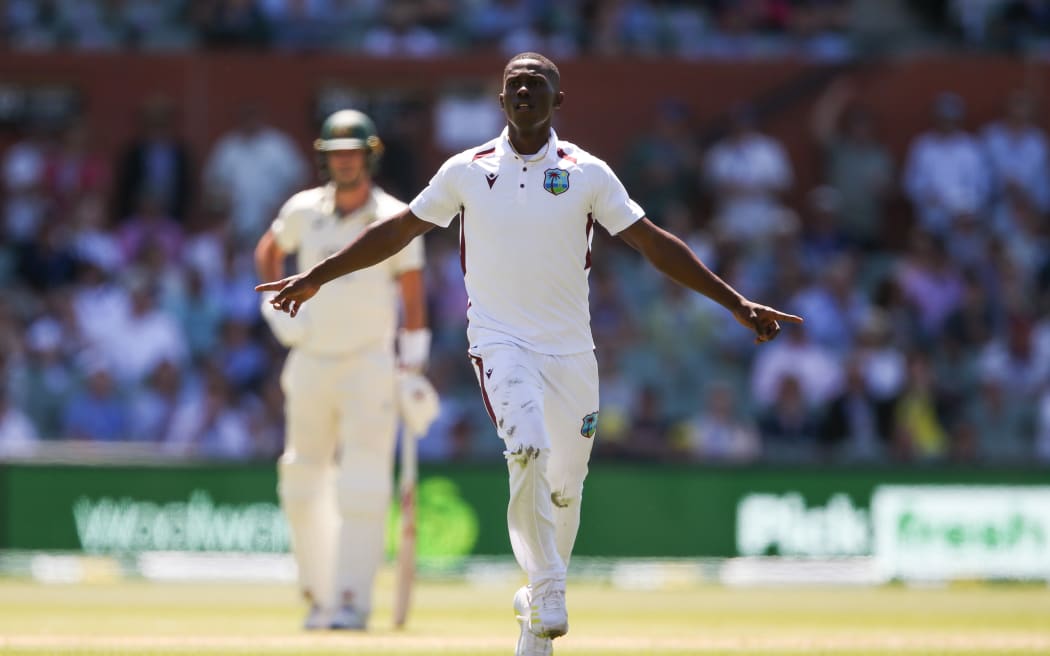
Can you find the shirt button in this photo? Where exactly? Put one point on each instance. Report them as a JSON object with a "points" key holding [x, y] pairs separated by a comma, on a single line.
{"points": [[524, 168], [522, 186]]}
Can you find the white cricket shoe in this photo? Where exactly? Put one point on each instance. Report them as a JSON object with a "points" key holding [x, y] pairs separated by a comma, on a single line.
{"points": [[316, 619], [529, 644], [348, 618], [547, 602]]}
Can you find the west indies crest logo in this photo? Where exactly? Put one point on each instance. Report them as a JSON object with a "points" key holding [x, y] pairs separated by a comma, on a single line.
{"points": [[590, 425], [556, 181]]}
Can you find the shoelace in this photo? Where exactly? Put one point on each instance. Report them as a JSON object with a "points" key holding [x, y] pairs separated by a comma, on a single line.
{"points": [[553, 600]]}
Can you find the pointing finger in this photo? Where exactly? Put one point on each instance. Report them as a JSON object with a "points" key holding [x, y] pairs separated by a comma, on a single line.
{"points": [[783, 316], [274, 286]]}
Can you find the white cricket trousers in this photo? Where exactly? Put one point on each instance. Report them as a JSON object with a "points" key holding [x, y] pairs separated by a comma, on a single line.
{"points": [[335, 477], [544, 408]]}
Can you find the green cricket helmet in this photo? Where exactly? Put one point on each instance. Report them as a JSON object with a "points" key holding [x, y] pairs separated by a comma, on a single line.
{"points": [[349, 129]]}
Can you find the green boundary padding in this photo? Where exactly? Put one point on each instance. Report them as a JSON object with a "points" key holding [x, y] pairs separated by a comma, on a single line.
{"points": [[628, 510]]}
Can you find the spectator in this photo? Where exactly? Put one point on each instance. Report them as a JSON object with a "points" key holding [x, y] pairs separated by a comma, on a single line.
{"points": [[197, 313], [946, 176], [230, 23], [964, 300], [151, 406], [156, 165], [400, 34], [1013, 359], [671, 320], [149, 227], [44, 381], [648, 434], [265, 417], [834, 306], [975, 320], [747, 172], [718, 432], [209, 424], [403, 129], [920, 428], [461, 117], [74, 169], [95, 301], [253, 167], [490, 21], [1020, 23], [90, 25], [233, 283], [824, 235], [1020, 166], [902, 323], [90, 236], [879, 355], [308, 24], [789, 425], [618, 394], [96, 412], [930, 283], [25, 201], [143, 336], [49, 261], [812, 367], [449, 437], [857, 424], [1002, 423], [18, 436], [243, 361], [446, 297], [1042, 431], [553, 33], [662, 162], [856, 165], [611, 322]]}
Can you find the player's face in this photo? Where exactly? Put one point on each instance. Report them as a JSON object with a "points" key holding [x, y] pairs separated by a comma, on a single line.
{"points": [[347, 168], [528, 97]]}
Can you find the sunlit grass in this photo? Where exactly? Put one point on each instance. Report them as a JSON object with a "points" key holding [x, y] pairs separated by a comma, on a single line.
{"points": [[456, 618]]}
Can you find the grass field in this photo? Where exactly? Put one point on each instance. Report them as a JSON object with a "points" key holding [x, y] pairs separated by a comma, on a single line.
{"points": [[456, 618]]}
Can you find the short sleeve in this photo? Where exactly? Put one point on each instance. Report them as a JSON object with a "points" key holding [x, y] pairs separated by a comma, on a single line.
{"points": [[613, 208], [439, 203], [409, 258], [287, 228]]}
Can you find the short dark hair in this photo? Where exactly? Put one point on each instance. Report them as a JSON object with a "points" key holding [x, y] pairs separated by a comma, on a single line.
{"points": [[546, 65]]}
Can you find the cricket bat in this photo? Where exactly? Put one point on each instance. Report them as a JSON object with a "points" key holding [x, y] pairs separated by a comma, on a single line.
{"points": [[406, 553]]}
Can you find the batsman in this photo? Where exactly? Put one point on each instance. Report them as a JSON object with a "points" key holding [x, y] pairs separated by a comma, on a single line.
{"points": [[350, 373]]}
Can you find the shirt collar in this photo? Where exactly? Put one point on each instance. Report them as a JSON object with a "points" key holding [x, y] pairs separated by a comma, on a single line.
{"points": [[504, 147], [368, 209]]}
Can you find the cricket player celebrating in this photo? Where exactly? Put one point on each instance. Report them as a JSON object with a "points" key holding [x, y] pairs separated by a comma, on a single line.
{"points": [[527, 204], [339, 380]]}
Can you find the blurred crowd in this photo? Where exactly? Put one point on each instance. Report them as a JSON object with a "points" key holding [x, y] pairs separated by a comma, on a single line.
{"points": [[562, 28], [129, 314], [925, 341]]}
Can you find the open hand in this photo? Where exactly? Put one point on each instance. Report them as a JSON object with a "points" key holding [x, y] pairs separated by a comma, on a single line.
{"points": [[292, 292], [764, 320]]}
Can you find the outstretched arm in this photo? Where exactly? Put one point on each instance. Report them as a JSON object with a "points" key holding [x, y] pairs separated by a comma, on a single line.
{"points": [[377, 243], [673, 258], [828, 111]]}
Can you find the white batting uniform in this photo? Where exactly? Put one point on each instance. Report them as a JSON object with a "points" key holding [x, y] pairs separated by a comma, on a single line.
{"points": [[526, 225], [339, 388]]}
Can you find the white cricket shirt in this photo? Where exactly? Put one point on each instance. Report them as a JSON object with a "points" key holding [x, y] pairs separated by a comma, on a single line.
{"points": [[525, 238], [353, 311]]}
